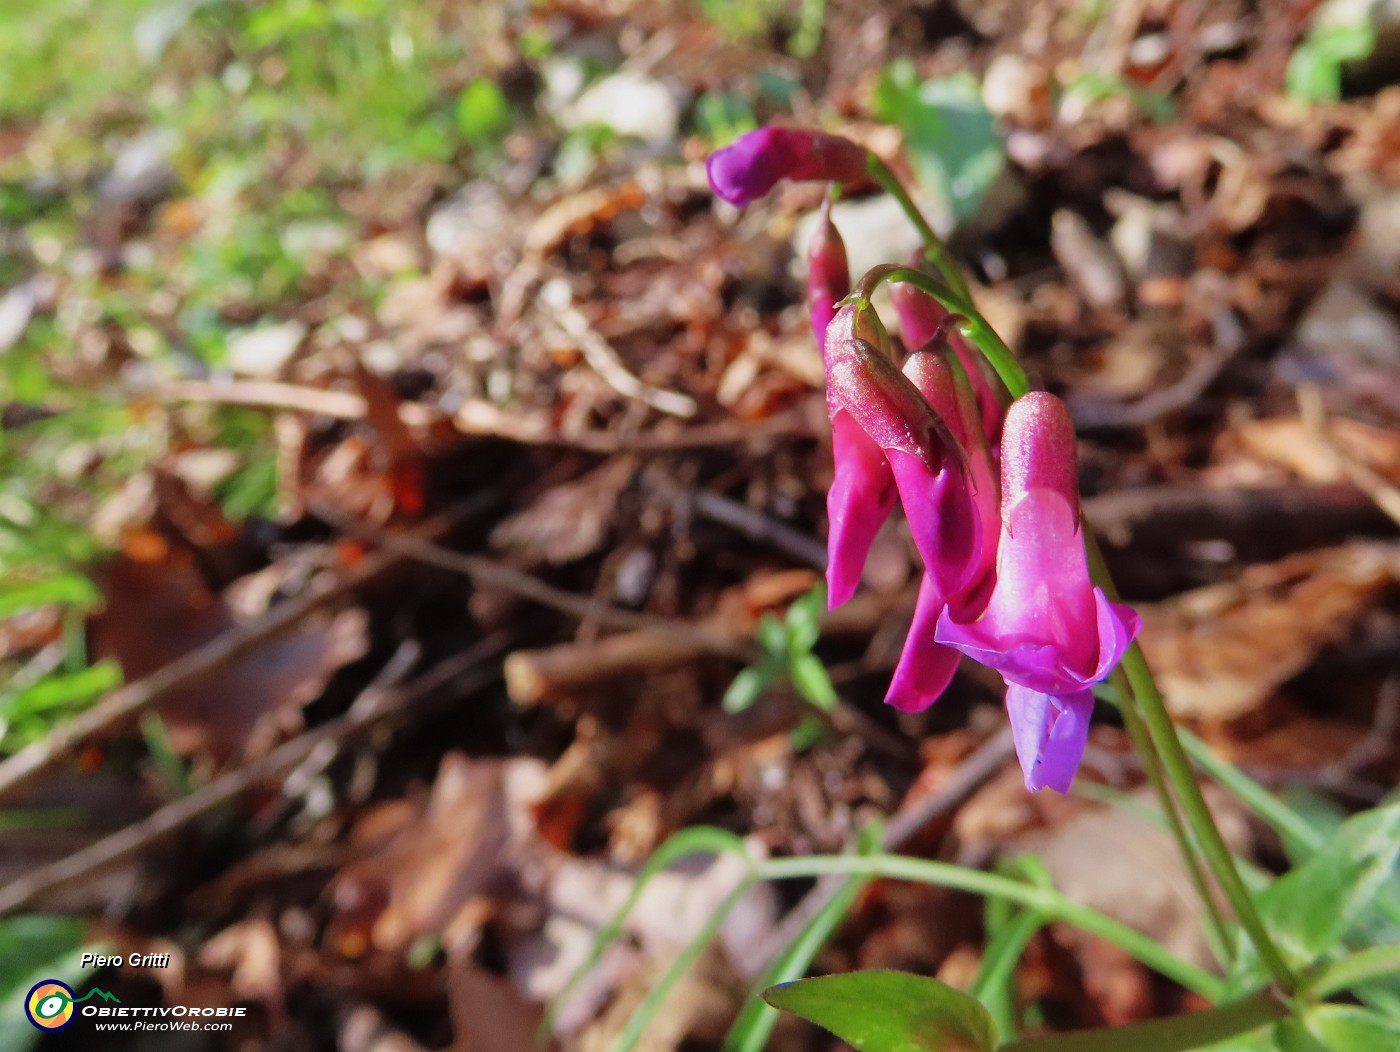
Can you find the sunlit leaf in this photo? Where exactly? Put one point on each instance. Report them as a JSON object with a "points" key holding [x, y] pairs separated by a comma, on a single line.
{"points": [[810, 678], [950, 135], [887, 1011], [483, 114]]}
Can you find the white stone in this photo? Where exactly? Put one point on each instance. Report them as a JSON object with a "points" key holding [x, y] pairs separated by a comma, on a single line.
{"points": [[264, 349], [630, 104]]}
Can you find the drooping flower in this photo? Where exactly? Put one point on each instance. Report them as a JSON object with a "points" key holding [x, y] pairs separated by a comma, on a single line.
{"points": [[754, 163], [926, 666], [883, 427], [1047, 629]]}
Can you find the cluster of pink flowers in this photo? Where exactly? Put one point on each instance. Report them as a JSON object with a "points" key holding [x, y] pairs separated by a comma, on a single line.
{"points": [[990, 490]]}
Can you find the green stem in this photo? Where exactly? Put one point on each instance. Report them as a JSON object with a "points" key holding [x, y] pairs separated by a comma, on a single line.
{"points": [[1152, 767], [1178, 770], [656, 996], [1051, 902], [1336, 976], [1285, 821], [934, 250], [1146, 699], [751, 1030], [1178, 1033], [973, 326]]}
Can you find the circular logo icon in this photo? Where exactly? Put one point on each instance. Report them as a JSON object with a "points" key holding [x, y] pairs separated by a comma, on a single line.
{"points": [[49, 1005]]}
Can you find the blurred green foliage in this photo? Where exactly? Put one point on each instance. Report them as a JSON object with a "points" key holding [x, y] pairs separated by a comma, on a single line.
{"points": [[950, 136], [1315, 67], [170, 172]]}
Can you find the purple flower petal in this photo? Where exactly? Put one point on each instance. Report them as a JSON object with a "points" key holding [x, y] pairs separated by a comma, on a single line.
{"points": [[1050, 732], [756, 161]]}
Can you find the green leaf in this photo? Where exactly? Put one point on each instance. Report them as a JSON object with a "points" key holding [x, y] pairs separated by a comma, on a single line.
{"points": [[885, 1011], [810, 678], [772, 636], [1310, 908], [723, 116], [948, 131], [1315, 68], [1347, 1028], [808, 734], [749, 685], [483, 114], [70, 588], [34, 947], [804, 619]]}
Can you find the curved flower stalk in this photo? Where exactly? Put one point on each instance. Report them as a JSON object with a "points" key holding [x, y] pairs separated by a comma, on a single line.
{"points": [[923, 319], [755, 162], [1047, 629]]}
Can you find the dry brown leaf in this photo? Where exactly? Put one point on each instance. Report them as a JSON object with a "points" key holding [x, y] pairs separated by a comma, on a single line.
{"points": [[1219, 651], [441, 873], [489, 1014], [1290, 443], [159, 608], [569, 520], [252, 951], [1141, 880]]}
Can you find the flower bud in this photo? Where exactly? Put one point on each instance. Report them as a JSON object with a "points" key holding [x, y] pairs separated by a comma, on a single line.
{"points": [[752, 165], [828, 277]]}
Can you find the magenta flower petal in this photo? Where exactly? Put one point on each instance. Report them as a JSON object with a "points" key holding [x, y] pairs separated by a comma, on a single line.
{"points": [[861, 497], [1048, 631], [1050, 732], [925, 667], [756, 161], [938, 377], [920, 315], [942, 518]]}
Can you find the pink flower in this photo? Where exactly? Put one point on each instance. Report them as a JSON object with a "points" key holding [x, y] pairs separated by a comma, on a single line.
{"points": [[926, 666], [883, 427], [1048, 631], [752, 165]]}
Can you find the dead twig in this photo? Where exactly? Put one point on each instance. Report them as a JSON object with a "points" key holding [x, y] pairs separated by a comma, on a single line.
{"points": [[478, 418], [378, 701], [759, 527], [1167, 515], [130, 701], [599, 354], [489, 572]]}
